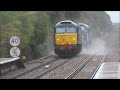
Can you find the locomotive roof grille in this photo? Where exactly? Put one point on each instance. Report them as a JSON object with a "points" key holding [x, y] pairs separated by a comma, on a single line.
{"points": [[66, 21]]}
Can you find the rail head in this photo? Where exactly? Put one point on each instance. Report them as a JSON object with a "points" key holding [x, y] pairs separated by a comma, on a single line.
{"points": [[80, 67]]}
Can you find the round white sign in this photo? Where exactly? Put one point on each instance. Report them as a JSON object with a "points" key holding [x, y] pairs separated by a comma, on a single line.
{"points": [[14, 41], [14, 51]]}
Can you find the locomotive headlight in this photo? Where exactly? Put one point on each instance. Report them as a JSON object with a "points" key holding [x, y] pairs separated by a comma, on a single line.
{"points": [[58, 39], [74, 39]]}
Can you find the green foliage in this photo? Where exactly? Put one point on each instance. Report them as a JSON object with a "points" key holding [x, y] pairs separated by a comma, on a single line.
{"points": [[41, 27], [72, 15]]}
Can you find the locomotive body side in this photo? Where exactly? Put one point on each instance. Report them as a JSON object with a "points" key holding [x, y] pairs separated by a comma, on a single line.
{"points": [[85, 30]]}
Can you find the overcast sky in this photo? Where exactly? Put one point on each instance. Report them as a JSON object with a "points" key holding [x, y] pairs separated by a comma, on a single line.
{"points": [[115, 16]]}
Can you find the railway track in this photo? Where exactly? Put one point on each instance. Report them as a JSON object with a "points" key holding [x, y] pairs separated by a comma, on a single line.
{"points": [[39, 60], [79, 68], [28, 71], [46, 72], [43, 72]]}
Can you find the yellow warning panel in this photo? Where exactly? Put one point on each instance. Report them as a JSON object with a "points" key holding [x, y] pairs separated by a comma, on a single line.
{"points": [[61, 39]]}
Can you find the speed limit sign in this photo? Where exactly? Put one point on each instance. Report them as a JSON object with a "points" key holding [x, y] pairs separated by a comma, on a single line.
{"points": [[14, 51], [14, 41]]}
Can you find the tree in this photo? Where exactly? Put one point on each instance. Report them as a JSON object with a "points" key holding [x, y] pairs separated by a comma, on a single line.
{"points": [[41, 27]]}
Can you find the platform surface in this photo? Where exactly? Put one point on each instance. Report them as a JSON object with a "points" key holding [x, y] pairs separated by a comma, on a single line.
{"points": [[7, 60], [108, 70]]}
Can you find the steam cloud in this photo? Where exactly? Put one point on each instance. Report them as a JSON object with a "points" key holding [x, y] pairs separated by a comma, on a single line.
{"points": [[97, 46]]}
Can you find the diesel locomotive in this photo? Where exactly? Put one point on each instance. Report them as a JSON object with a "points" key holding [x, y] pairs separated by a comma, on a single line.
{"points": [[69, 37]]}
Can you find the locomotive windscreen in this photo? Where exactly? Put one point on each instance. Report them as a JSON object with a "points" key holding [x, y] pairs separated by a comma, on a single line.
{"points": [[66, 28], [60, 30]]}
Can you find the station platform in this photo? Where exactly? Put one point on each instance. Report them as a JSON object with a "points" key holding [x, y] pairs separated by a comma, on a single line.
{"points": [[8, 63], [108, 70], [7, 60]]}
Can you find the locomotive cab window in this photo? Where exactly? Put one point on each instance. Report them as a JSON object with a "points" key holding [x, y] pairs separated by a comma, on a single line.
{"points": [[60, 30], [71, 29], [65, 29]]}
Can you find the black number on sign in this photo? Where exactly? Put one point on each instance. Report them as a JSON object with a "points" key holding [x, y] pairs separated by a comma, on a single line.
{"points": [[14, 40]]}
